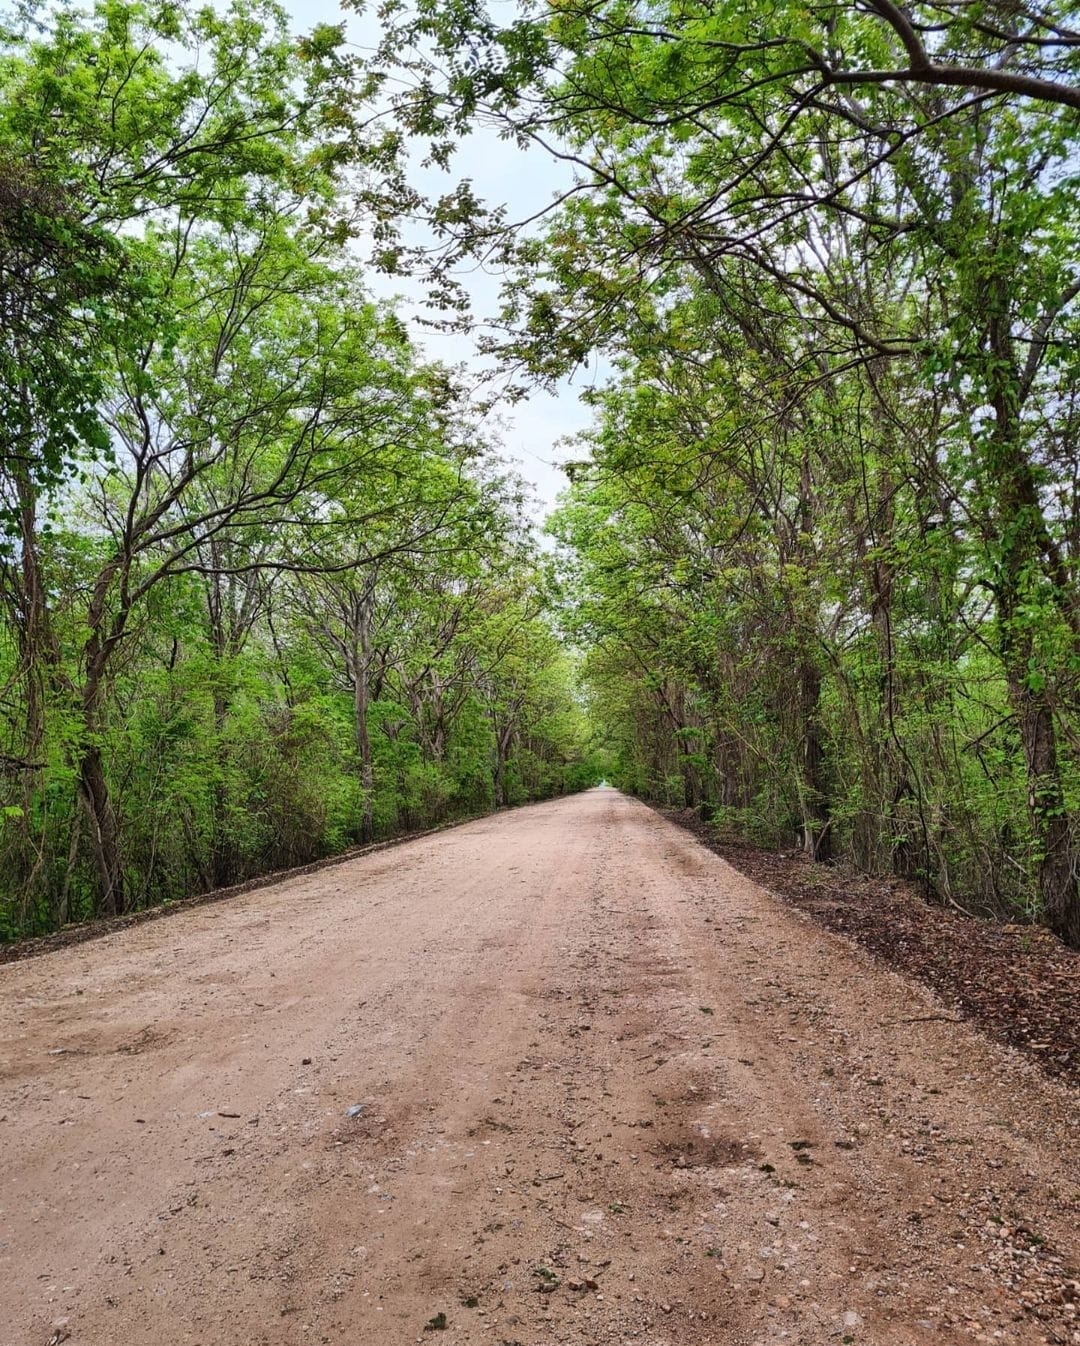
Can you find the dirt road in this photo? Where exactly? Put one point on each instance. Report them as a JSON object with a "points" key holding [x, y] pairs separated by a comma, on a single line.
{"points": [[609, 1092]]}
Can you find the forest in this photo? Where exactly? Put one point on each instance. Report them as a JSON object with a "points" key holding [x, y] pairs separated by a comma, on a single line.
{"points": [[268, 588]]}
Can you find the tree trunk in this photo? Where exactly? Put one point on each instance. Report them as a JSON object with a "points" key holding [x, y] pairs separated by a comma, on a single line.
{"points": [[1022, 564], [104, 833], [361, 658], [93, 785], [503, 739], [37, 644], [222, 852], [1049, 816], [39, 663], [498, 778], [363, 752], [816, 833]]}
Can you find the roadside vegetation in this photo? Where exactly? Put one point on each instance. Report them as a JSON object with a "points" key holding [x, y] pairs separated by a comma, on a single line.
{"points": [[266, 589], [821, 546]]}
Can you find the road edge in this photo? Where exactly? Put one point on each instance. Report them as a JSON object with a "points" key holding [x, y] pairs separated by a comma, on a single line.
{"points": [[1021, 1017]]}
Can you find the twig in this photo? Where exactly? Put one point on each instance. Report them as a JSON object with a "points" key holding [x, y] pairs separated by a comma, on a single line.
{"points": [[922, 1019]]}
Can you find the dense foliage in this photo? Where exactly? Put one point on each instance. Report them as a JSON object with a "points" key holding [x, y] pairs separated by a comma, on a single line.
{"points": [[822, 545], [264, 591]]}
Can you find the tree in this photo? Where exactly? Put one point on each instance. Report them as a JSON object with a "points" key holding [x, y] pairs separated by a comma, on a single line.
{"points": [[876, 198], [200, 399]]}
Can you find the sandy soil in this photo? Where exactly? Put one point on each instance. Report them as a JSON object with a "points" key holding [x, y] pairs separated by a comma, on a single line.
{"points": [[610, 1091]]}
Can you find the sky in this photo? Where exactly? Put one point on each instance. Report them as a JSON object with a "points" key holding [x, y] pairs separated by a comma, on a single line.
{"points": [[525, 182]]}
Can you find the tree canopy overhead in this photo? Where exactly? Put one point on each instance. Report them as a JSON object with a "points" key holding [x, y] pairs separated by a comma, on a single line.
{"points": [[236, 502], [266, 587], [821, 546]]}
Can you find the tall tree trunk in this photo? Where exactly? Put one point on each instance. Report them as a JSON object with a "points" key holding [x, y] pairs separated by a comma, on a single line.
{"points": [[1046, 809], [104, 828], [104, 833], [363, 752], [504, 737], [498, 774], [222, 866], [816, 831], [361, 659], [1021, 523], [39, 662], [814, 792], [222, 852], [35, 633]]}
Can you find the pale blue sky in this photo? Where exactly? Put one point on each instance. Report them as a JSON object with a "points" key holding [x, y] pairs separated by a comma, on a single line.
{"points": [[525, 182]]}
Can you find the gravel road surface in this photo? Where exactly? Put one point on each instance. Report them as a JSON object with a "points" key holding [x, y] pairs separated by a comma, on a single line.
{"points": [[557, 1076]]}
